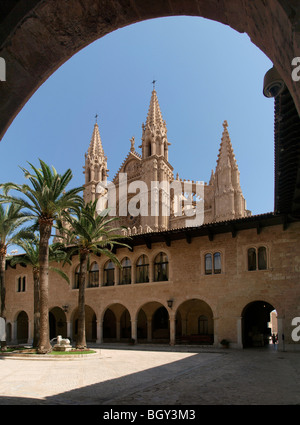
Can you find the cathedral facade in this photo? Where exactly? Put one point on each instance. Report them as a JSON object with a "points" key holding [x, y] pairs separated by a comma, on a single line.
{"points": [[164, 201], [234, 276]]}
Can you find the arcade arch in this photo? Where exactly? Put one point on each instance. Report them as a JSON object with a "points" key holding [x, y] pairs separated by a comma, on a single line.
{"points": [[153, 323], [194, 322], [258, 324]]}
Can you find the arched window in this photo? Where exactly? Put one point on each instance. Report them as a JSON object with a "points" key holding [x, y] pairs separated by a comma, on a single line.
{"points": [[21, 284], [262, 258], [208, 264], [217, 263], [161, 267], [93, 276], [125, 272], [76, 277], [213, 264], [251, 259], [257, 258], [142, 269], [109, 274], [88, 175]]}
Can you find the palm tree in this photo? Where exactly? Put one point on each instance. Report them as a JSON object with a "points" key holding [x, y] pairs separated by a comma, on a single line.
{"points": [[90, 233], [11, 219], [46, 198], [31, 258]]}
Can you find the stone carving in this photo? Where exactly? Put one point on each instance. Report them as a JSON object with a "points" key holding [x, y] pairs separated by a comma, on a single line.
{"points": [[63, 344]]}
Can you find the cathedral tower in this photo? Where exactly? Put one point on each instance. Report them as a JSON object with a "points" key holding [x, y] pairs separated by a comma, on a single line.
{"points": [[229, 202], [154, 137], [155, 165], [95, 168]]}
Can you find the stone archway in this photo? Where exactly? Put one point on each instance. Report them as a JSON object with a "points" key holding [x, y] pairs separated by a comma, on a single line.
{"points": [[57, 323], [194, 323], [256, 324], [22, 327], [116, 324], [109, 326], [90, 324], [37, 38], [153, 323]]}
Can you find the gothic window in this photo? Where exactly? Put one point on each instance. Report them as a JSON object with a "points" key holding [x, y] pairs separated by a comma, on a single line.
{"points": [[213, 264], [262, 258], [251, 259], [21, 284], [257, 258], [109, 274], [125, 272], [217, 263], [208, 264], [93, 276], [161, 266], [76, 277], [142, 269], [88, 175]]}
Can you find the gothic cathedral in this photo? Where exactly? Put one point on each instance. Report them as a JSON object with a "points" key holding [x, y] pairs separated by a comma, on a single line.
{"points": [[222, 199]]}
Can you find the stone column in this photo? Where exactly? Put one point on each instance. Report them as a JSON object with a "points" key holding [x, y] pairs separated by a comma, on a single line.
{"points": [[151, 270], [30, 332], [116, 275], [215, 319], [239, 332], [69, 329], [118, 330], [172, 329], [99, 332], [281, 341], [133, 330]]}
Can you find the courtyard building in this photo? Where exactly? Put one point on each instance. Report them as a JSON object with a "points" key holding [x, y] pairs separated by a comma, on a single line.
{"points": [[234, 276]]}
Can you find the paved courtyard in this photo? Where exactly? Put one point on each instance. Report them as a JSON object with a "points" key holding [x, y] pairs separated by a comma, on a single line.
{"points": [[121, 375]]}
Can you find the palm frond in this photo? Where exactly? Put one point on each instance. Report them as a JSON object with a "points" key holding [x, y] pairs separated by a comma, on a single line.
{"points": [[60, 272]]}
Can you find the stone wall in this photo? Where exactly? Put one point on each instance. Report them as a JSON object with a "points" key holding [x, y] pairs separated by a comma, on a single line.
{"points": [[226, 294]]}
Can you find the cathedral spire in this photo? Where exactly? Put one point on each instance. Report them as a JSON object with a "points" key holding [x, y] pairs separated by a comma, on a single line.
{"points": [[226, 157], [95, 149], [154, 138], [154, 117], [95, 168], [229, 200]]}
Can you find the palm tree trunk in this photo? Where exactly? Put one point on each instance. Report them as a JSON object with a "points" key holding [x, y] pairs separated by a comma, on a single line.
{"points": [[81, 337], [36, 307], [2, 285], [44, 345], [2, 288]]}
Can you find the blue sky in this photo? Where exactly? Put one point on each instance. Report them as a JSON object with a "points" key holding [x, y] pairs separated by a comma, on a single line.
{"points": [[206, 73]]}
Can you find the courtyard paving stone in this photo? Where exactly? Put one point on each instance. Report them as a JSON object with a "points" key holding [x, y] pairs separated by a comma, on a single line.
{"points": [[152, 375]]}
